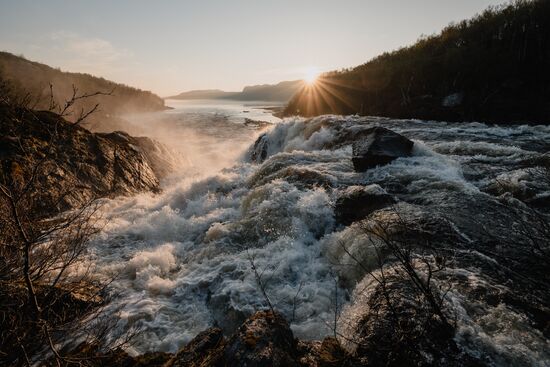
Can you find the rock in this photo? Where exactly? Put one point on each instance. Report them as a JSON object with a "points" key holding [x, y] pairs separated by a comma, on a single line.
{"points": [[259, 150], [80, 165], [379, 146], [265, 339], [328, 353], [206, 349], [453, 100], [357, 202], [162, 159]]}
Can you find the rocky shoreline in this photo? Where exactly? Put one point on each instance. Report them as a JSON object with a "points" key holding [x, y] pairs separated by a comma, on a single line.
{"points": [[95, 164]]}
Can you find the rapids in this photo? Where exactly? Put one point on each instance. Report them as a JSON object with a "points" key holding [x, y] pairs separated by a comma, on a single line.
{"points": [[183, 257]]}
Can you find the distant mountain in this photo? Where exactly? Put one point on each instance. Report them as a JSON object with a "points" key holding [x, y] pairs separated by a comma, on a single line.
{"points": [[493, 67], [34, 79], [281, 92], [204, 94]]}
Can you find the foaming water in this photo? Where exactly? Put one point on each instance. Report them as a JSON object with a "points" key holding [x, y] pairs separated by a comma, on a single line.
{"points": [[210, 135], [184, 257]]}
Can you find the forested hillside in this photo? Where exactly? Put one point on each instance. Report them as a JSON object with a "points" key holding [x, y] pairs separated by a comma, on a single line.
{"points": [[493, 67], [34, 79]]}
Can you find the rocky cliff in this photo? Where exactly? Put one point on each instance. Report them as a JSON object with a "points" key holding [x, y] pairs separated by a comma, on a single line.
{"points": [[71, 164]]}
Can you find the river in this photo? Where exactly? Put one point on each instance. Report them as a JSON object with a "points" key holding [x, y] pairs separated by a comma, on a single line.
{"points": [[183, 257]]}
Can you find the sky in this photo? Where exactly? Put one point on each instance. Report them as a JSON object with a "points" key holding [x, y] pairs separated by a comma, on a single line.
{"points": [[173, 46]]}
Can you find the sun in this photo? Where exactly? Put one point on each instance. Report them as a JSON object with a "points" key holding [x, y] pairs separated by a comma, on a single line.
{"points": [[311, 75]]}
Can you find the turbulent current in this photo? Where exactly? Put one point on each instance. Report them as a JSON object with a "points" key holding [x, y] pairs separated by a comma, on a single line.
{"points": [[190, 257]]}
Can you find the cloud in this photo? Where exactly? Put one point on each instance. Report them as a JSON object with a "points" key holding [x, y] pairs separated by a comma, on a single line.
{"points": [[88, 54]]}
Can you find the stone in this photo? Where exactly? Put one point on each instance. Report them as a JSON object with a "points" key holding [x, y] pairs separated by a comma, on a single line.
{"points": [[77, 165], [379, 146], [357, 202]]}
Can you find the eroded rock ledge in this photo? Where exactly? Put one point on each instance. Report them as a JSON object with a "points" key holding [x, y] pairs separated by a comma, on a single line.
{"points": [[265, 339], [77, 165]]}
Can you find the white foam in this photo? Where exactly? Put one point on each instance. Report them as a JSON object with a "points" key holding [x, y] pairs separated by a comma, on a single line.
{"points": [[184, 255]]}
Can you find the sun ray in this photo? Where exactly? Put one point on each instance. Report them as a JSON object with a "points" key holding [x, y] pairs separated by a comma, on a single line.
{"points": [[311, 75]]}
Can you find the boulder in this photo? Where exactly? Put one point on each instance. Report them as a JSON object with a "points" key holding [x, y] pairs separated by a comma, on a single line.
{"points": [[76, 165], [379, 146], [357, 202], [453, 100], [264, 339], [206, 349], [326, 353], [258, 154]]}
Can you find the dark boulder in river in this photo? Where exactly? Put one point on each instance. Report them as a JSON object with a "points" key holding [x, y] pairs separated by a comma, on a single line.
{"points": [[372, 146], [258, 153], [379, 146], [357, 202], [73, 165]]}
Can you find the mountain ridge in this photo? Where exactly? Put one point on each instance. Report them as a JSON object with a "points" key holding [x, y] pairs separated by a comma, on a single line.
{"points": [[279, 92]]}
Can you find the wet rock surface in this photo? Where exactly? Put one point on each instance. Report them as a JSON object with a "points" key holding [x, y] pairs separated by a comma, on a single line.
{"points": [[206, 349], [259, 149], [76, 165], [264, 339], [379, 146], [357, 202]]}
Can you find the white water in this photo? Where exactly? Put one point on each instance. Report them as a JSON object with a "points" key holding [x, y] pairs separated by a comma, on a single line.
{"points": [[183, 256]]}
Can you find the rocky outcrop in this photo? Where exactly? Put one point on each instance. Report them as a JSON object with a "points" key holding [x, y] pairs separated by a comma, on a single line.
{"points": [[264, 339], [357, 202], [259, 150], [379, 146], [72, 165], [206, 349], [326, 353]]}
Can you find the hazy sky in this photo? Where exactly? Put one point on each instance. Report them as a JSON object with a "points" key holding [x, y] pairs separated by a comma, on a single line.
{"points": [[172, 46]]}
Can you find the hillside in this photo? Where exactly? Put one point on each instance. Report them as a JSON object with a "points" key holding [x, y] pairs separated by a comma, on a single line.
{"points": [[35, 79], [204, 94], [493, 67], [280, 92]]}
